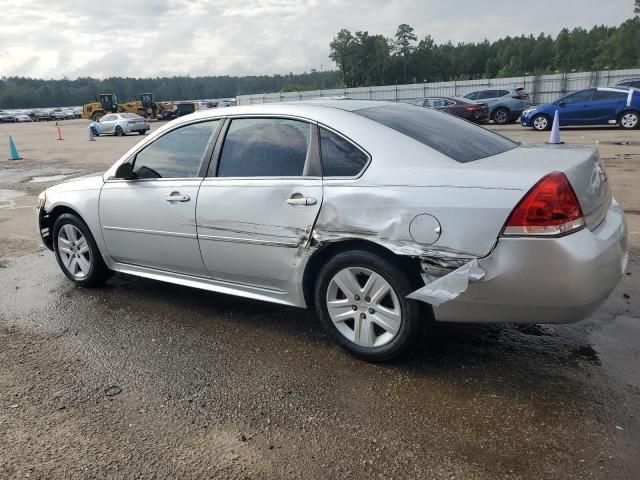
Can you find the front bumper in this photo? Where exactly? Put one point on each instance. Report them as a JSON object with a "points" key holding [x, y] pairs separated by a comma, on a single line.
{"points": [[545, 280]]}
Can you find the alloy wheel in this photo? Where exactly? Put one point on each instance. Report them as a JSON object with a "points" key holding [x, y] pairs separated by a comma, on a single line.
{"points": [[629, 120], [500, 117], [364, 307], [540, 123], [74, 251]]}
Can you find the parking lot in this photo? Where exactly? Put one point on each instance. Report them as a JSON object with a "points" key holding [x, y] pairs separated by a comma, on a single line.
{"points": [[142, 379]]}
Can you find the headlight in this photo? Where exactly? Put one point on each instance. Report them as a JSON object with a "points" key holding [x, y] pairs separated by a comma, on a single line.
{"points": [[42, 198]]}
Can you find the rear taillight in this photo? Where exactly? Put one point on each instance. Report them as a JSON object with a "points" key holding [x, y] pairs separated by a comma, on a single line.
{"points": [[549, 208], [473, 108]]}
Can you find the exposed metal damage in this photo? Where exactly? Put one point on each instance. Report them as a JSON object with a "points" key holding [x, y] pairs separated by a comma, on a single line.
{"points": [[449, 286]]}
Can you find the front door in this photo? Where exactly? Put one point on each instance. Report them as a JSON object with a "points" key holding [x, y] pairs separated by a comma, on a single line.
{"points": [[256, 212], [575, 109], [107, 124], [150, 221]]}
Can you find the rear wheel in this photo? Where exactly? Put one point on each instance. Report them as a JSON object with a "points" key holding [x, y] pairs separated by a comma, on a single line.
{"points": [[501, 116], [360, 298], [77, 253], [119, 131], [629, 120], [142, 132], [541, 122]]}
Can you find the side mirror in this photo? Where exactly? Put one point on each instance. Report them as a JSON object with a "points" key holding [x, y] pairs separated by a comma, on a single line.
{"points": [[562, 104], [125, 171]]}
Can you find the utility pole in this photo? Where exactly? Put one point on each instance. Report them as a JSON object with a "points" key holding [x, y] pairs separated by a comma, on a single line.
{"points": [[321, 80]]}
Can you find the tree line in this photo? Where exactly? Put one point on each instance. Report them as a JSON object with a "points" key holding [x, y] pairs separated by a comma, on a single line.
{"points": [[365, 59], [20, 92]]}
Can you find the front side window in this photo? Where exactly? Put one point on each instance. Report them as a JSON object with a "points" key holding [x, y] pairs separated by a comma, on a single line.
{"points": [[178, 154], [472, 95], [340, 158], [265, 147], [578, 97]]}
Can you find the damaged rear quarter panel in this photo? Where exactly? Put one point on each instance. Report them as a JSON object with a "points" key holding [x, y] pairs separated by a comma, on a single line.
{"points": [[471, 218]]}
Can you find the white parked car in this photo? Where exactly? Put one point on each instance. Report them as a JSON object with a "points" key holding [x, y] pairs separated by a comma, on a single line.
{"points": [[120, 124], [23, 118]]}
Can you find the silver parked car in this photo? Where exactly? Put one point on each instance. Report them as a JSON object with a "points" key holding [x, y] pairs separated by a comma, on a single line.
{"points": [[505, 104], [120, 124], [375, 214]]}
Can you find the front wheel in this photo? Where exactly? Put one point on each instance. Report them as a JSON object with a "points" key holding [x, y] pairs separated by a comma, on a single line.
{"points": [[77, 253], [142, 132], [541, 122], [629, 120], [119, 131], [360, 298]]}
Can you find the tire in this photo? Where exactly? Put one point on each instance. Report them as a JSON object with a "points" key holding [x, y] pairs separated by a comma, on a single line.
{"points": [[119, 131], [629, 120], [501, 116], [142, 132], [88, 269], [97, 116], [375, 343], [95, 132], [541, 122]]}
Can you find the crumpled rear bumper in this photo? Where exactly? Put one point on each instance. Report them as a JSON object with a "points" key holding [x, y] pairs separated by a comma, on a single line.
{"points": [[545, 280]]}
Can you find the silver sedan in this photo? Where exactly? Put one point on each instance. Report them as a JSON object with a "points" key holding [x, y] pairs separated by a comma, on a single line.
{"points": [[120, 124], [380, 216]]}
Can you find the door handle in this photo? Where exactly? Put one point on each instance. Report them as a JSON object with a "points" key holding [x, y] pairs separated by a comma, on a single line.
{"points": [[299, 200], [176, 197]]}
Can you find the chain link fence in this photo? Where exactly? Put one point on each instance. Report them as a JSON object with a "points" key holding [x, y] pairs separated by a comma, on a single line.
{"points": [[542, 88]]}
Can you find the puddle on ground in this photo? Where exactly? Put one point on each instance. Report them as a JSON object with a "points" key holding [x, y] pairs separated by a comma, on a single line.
{"points": [[50, 178], [8, 198]]}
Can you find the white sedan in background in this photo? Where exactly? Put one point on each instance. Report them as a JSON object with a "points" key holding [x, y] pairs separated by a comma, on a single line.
{"points": [[120, 124]]}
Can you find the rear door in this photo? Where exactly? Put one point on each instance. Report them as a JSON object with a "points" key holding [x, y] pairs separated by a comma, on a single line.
{"points": [[259, 202], [607, 103]]}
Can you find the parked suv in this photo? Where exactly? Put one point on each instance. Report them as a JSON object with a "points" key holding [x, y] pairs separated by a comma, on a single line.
{"points": [[505, 105], [632, 82]]}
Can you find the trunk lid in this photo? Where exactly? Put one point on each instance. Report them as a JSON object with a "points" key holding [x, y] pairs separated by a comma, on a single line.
{"points": [[527, 164]]}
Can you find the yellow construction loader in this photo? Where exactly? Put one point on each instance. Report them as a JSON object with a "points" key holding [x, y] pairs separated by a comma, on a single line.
{"points": [[106, 103]]}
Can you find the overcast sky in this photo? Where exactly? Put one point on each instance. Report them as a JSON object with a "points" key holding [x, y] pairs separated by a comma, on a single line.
{"points": [[141, 38]]}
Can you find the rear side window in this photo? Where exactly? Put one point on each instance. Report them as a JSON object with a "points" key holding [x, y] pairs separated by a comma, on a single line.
{"points": [[265, 147], [455, 138], [177, 154], [487, 94], [502, 93], [340, 158], [472, 95], [610, 95]]}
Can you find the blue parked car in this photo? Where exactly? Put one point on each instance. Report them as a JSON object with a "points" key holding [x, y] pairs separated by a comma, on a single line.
{"points": [[593, 106]]}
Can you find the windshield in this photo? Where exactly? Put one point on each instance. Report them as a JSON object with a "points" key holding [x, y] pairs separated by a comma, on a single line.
{"points": [[459, 140]]}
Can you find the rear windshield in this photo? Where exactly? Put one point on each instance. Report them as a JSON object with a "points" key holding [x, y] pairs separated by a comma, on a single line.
{"points": [[459, 140]]}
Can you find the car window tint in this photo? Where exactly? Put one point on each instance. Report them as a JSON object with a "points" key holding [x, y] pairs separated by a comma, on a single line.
{"points": [[340, 158], [610, 95], [178, 154], [487, 94], [578, 97], [502, 93], [472, 95], [455, 138], [449, 102], [265, 147]]}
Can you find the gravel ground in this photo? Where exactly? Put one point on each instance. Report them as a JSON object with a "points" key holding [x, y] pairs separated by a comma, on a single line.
{"points": [[141, 379]]}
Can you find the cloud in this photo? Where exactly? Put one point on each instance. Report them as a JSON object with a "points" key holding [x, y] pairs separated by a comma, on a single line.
{"points": [[142, 38]]}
